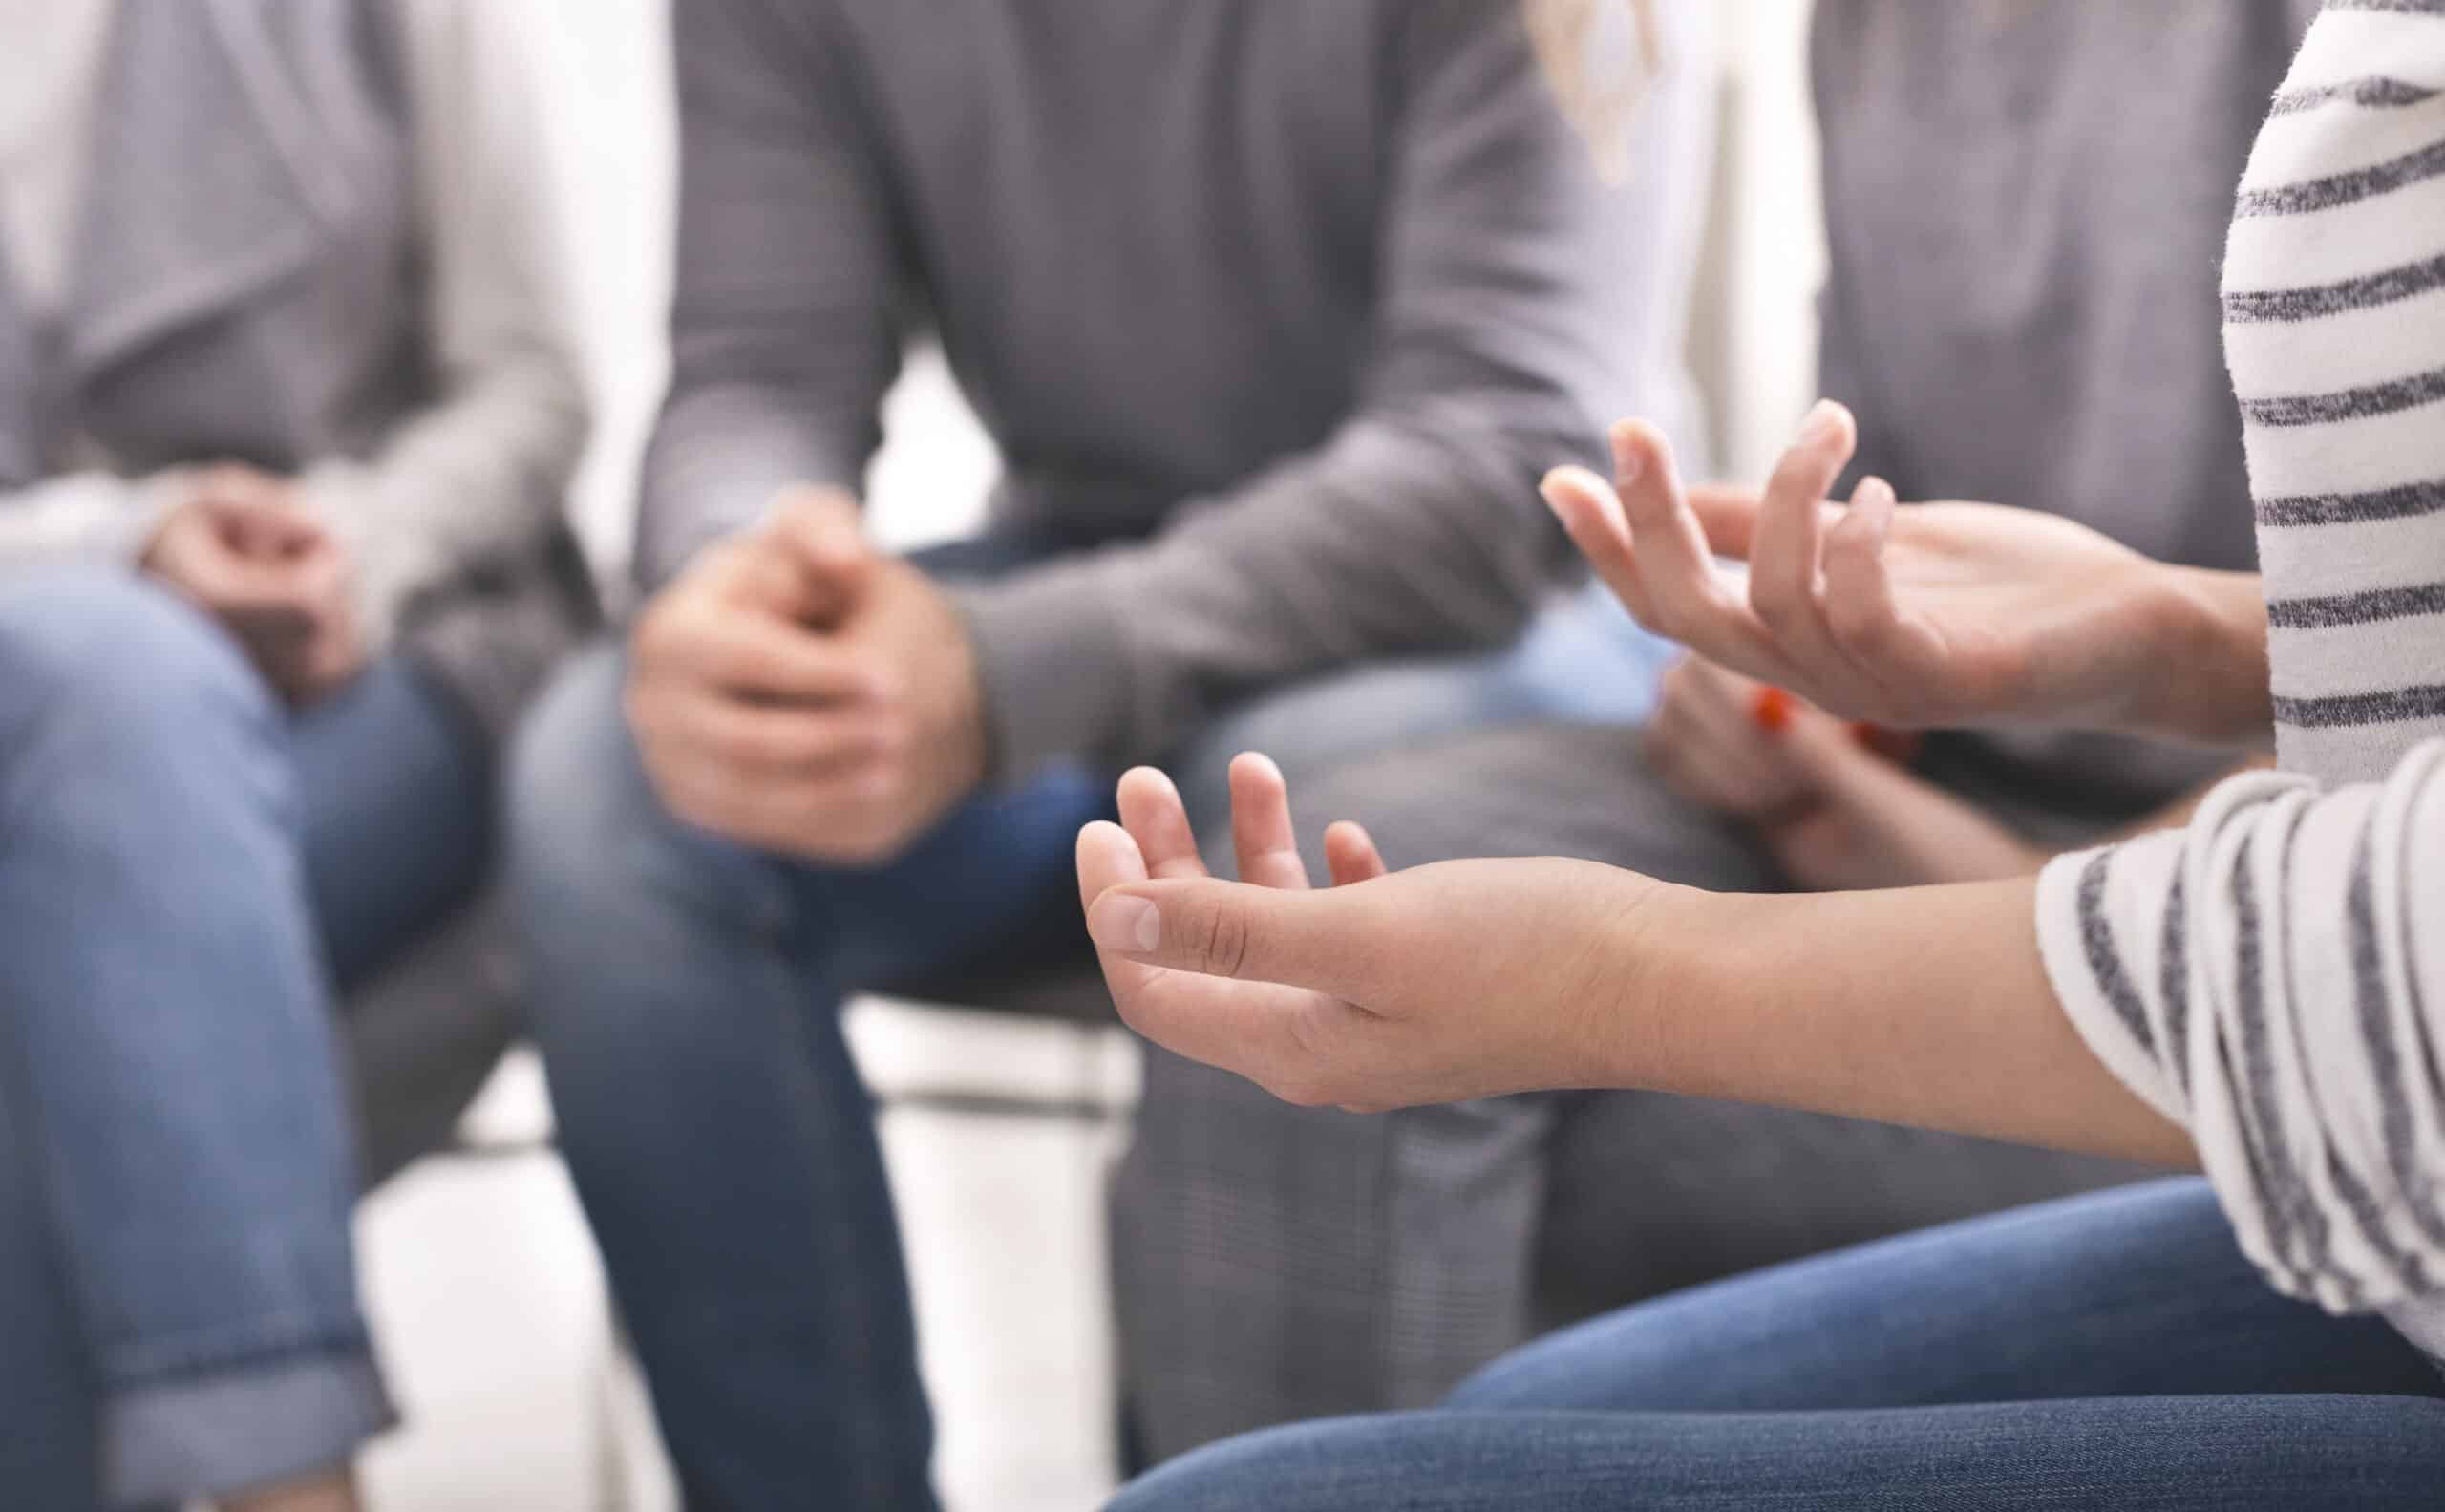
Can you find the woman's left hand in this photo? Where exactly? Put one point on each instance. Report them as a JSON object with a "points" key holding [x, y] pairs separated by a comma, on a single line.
{"points": [[1464, 980]]}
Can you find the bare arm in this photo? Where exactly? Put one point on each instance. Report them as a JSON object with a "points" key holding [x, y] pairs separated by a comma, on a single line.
{"points": [[1806, 1002], [2257, 994], [1474, 979]]}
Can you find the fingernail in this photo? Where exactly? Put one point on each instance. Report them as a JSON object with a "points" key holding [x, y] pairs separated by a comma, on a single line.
{"points": [[1629, 459], [1823, 425], [1131, 925]]}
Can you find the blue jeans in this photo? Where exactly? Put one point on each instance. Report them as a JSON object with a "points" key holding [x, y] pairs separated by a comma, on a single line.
{"points": [[686, 997], [2110, 1350], [186, 871]]}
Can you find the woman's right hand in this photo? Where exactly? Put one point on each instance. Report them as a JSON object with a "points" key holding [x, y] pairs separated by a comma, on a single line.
{"points": [[1937, 615]]}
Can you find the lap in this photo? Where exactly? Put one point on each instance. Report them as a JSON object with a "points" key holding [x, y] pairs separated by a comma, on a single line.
{"points": [[1648, 1193], [2179, 1453], [2112, 1350], [396, 802], [2138, 1292], [385, 784]]}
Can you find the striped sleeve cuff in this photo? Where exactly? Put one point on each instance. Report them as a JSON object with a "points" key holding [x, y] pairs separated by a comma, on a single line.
{"points": [[2111, 933]]}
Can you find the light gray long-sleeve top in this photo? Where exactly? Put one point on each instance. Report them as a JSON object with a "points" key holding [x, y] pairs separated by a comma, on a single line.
{"points": [[1277, 311]]}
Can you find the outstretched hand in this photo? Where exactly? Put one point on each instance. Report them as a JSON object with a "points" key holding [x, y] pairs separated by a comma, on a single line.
{"points": [[1940, 614], [1464, 980]]}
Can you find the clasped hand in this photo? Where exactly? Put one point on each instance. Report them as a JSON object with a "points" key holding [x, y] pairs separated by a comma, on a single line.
{"points": [[237, 545], [801, 693]]}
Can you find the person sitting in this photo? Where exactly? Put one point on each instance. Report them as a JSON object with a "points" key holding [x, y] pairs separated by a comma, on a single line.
{"points": [[2255, 992], [2020, 303], [1276, 312], [286, 415]]}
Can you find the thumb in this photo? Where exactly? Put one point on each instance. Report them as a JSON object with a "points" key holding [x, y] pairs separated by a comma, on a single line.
{"points": [[822, 536], [1232, 929]]}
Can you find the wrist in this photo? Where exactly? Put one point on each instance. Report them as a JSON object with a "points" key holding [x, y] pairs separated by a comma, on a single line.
{"points": [[1677, 953], [2203, 672]]}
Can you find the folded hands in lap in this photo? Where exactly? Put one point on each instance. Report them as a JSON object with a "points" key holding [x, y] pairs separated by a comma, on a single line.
{"points": [[796, 691], [238, 547]]}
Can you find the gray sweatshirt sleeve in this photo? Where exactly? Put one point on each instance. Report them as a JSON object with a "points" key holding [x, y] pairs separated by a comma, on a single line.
{"points": [[480, 474], [1507, 335], [2273, 979], [779, 360]]}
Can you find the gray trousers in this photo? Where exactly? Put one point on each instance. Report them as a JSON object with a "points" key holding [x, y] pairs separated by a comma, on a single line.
{"points": [[1274, 1264]]}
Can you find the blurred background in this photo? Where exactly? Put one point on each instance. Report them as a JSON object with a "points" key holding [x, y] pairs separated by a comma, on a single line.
{"points": [[487, 1298]]}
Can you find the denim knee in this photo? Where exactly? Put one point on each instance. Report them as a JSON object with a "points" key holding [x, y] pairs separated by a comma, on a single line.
{"points": [[590, 846], [127, 670]]}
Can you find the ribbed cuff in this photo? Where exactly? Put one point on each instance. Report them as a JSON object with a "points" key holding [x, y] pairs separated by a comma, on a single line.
{"points": [[229, 1431], [2091, 979], [1054, 668]]}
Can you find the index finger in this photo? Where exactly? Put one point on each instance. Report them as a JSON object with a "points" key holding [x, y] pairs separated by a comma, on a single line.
{"points": [[1262, 834]]}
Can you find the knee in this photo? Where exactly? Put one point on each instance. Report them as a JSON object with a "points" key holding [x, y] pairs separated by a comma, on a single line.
{"points": [[595, 864], [111, 655], [575, 791], [1307, 1467]]}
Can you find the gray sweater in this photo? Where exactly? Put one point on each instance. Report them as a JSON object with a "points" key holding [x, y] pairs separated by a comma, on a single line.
{"points": [[317, 236], [2026, 203], [1278, 311]]}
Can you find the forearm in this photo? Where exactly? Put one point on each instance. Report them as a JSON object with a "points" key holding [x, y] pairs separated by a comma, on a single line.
{"points": [[783, 331], [1398, 537], [1929, 1007]]}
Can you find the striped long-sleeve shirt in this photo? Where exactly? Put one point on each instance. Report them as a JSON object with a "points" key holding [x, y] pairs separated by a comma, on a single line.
{"points": [[2273, 977]]}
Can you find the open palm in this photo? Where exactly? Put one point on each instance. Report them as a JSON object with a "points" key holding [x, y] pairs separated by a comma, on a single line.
{"points": [[1209, 1017], [1940, 614]]}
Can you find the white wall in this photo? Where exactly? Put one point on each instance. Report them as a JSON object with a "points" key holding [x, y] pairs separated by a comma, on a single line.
{"points": [[1763, 367]]}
